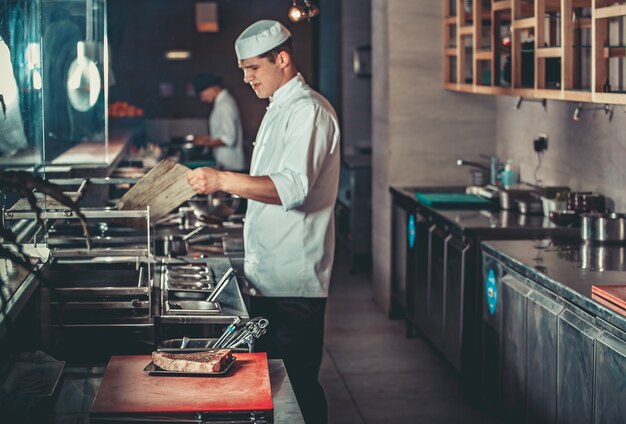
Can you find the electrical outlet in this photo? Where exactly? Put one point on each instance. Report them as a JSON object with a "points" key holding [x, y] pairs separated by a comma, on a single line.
{"points": [[541, 142]]}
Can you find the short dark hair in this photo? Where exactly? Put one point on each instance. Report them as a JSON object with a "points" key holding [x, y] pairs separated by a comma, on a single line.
{"points": [[203, 81], [285, 46]]}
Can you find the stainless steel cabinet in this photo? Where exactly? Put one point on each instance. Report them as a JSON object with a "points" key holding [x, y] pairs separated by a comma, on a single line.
{"points": [[437, 239], [400, 250], [575, 367], [610, 377], [458, 269], [542, 317], [417, 272], [513, 345]]}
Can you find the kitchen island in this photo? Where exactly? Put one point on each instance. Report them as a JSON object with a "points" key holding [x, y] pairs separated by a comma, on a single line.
{"points": [[550, 352]]}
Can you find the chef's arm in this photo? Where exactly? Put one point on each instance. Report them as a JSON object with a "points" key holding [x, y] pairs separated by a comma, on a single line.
{"points": [[259, 188]]}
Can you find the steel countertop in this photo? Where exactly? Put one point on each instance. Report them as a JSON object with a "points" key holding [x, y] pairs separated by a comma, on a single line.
{"points": [[567, 268]]}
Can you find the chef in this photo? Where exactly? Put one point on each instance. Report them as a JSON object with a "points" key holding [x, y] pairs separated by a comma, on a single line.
{"points": [[225, 131], [289, 227]]}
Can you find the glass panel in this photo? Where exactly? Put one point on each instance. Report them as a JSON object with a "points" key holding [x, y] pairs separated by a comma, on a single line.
{"points": [[484, 72], [467, 12], [468, 53], [452, 7], [552, 29], [502, 53], [451, 35], [553, 73], [74, 78], [527, 41], [582, 49], [485, 36], [616, 36], [21, 140]]}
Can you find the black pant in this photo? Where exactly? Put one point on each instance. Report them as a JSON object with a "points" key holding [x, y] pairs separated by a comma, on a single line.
{"points": [[296, 335]]}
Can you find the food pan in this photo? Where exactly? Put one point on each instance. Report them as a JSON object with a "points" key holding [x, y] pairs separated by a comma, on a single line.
{"points": [[192, 307]]}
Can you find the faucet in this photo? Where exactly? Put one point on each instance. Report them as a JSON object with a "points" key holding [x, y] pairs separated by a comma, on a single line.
{"points": [[478, 177], [461, 162]]}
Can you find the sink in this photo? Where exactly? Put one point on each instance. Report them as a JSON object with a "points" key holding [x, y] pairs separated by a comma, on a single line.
{"points": [[436, 189], [453, 200]]}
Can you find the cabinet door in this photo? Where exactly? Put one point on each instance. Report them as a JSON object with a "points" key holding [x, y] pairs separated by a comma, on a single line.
{"points": [[575, 367], [610, 386], [399, 248], [513, 345], [417, 272], [436, 264], [491, 330], [455, 276], [542, 321]]}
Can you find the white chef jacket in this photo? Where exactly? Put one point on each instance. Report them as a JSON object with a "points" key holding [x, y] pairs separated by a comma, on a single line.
{"points": [[289, 248], [225, 124]]}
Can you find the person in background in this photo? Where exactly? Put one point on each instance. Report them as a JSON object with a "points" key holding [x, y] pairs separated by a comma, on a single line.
{"points": [[225, 130], [289, 233]]}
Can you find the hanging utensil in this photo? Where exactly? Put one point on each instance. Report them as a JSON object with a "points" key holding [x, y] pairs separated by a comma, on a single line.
{"points": [[221, 285]]}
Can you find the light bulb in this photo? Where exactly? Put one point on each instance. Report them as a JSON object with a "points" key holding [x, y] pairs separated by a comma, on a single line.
{"points": [[296, 13]]}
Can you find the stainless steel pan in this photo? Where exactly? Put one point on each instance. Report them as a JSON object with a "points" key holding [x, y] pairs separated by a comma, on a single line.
{"points": [[603, 227]]}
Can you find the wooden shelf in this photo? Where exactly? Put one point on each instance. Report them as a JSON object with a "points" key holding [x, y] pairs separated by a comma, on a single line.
{"points": [[525, 23], [567, 68], [610, 11], [614, 52], [483, 55], [501, 5], [544, 52]]}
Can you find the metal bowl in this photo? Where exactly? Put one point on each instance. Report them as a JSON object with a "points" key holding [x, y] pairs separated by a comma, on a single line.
{"points": [[219, 204]]}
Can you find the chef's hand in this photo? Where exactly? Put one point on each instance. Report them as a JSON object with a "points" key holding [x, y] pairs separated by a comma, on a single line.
{"points": [[204, 180]]}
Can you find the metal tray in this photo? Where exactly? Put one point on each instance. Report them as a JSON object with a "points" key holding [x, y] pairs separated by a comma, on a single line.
{"points": [[192, 307], [152, 369]]}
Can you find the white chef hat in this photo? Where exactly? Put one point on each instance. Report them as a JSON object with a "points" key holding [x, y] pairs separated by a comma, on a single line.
{"points": [[260, 38]]}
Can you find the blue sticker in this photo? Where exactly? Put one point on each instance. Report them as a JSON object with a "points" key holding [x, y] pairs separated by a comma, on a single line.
{"points": [[411, 231], [491, 291]]}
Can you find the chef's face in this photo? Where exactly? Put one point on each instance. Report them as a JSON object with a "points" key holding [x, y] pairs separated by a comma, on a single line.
{"points": [[208, 95], [264, 76]]}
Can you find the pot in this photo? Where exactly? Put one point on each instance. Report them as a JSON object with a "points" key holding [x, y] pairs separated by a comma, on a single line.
{"points": [[603, 228]]}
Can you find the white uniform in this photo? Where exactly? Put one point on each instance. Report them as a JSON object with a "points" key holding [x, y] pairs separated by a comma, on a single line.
{"points": [[225, 124], [289, 248]]}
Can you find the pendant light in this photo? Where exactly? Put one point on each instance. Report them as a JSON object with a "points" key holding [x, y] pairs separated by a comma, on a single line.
{"points": [[300, 12]]}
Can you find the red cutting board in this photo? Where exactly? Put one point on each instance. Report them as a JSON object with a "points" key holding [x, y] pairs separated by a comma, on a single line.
{"points": [[613, 296], [127, 389]]}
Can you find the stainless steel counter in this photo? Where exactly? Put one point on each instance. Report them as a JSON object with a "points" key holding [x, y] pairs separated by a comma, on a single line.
{"points": [[486, 223], [567, 268]]}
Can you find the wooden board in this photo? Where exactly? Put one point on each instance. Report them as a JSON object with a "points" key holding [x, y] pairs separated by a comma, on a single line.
{"points": [[126, 389], [163, 189], [611, 296]]}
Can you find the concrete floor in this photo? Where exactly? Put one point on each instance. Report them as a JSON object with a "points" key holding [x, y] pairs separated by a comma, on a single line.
{"points": [[372, 374]]}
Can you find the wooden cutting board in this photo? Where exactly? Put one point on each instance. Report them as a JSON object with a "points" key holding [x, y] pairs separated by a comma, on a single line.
{"points": [[611, 296], [163, 189], [127, 390]]}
